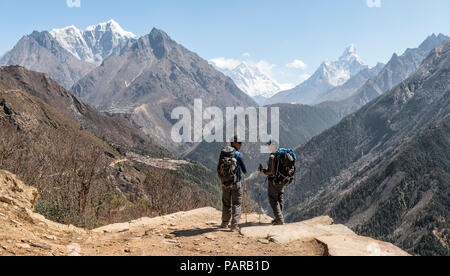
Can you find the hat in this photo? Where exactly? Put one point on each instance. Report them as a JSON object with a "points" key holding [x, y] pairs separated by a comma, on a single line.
{"points": [[272, 142], [237, 139]]}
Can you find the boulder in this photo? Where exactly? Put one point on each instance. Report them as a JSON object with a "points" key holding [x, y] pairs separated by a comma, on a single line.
{"points": [[20, 198], [337, 239], [15, 192], [297, 231], [352, 245]]}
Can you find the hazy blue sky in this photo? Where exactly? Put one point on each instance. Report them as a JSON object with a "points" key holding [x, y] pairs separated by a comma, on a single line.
{"points": [[276, 32]]}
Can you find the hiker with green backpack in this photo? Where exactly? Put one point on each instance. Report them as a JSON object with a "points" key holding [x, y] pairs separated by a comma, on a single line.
{"points": [[230, 168], [280, 173]]}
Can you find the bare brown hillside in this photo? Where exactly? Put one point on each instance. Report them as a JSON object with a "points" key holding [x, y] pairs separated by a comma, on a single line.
{"points": [[115, 130], [82, 179]]}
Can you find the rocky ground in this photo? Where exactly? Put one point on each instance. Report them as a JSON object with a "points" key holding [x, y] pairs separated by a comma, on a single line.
{"points": [[193, 233]]}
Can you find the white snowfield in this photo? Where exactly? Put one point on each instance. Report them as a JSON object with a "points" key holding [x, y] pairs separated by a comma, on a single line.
{"points": [[251, 79], [96, 42]]}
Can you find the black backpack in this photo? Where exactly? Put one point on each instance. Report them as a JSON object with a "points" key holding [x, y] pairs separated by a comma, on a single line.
{"points": [[227, 167], [285, 166]]}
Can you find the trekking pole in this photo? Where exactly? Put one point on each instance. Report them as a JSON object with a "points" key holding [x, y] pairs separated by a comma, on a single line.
{"points": [[260, 204], [245, 202]]}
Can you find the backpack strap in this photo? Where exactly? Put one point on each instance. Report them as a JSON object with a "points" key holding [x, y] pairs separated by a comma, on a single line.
{"points": [[277, 163]]}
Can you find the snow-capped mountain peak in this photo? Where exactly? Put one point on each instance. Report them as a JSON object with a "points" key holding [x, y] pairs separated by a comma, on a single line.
{"points": [[338, 72], [96, 42], [70, 28], [329, 75], [350, 54], [250, 77], [71, 39], [113, 27], [350, 50]]}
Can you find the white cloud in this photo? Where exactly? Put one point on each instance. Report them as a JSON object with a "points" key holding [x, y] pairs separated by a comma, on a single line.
{"points": [[225, 63], [373, 3], [297, 64], [74, 3], [247, 55], [265, 67]]}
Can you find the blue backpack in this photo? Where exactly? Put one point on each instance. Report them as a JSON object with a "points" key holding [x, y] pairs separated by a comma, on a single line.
{"points": [[285, 166]]}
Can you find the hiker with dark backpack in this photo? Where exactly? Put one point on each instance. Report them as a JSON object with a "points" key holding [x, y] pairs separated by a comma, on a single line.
{"points": [[280, 173], [230, 168]]}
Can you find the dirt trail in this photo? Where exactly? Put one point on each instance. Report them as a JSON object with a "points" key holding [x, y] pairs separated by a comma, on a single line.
{"points": [[193, 233], [181, 234]]}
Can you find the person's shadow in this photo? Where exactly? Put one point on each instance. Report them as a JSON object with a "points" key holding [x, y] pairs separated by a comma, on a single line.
{"points": [[199, 232], [253, 224], [195, 232]]}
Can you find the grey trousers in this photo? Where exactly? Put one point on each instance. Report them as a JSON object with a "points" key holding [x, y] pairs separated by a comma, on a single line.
{"points": [[276, 199], [232, 203]]}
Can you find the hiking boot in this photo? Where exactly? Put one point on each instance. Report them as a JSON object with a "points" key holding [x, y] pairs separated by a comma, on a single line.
{"points": [[224, 225], [277, 222], [235, 228]]}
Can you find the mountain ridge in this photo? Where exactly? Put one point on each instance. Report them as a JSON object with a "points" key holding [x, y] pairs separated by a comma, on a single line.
{"points": [[146, 82], [327, 76], [83, 180], [68, 54], [39, 51], [395, 71], [393, 150], [117, 131]]}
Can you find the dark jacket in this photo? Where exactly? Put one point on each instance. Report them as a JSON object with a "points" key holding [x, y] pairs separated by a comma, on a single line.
{"points": [[241, 168]]}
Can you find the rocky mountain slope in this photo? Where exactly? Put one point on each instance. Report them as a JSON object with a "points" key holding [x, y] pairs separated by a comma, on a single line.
{"points": [[41, 52], [298, 124], [330, 74], [116, 131], [384, 170], [68, 54], [82, 179], [145, 83], [193, 233], [397, 70], [349, 88], [53, 153]]}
